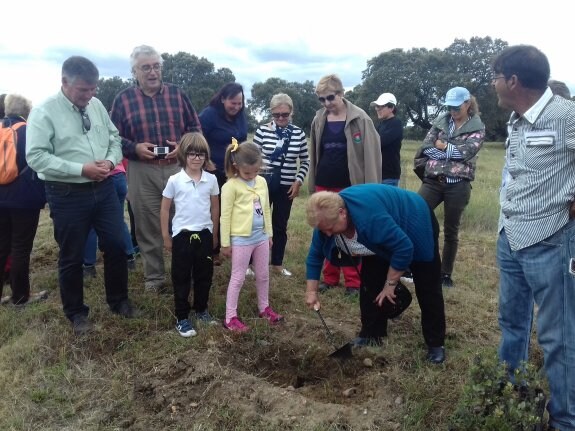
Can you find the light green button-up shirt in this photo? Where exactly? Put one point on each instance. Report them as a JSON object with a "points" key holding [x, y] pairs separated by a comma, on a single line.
{"points": [[57, 146]]}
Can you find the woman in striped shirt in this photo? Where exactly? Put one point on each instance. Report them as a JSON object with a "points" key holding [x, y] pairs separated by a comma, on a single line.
{"points": [[282, 145]]}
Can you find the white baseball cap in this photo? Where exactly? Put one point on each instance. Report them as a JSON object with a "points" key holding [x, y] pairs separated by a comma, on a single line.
{"points": [[384, 99]]}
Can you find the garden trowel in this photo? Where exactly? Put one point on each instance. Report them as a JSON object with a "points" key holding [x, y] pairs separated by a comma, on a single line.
{"points": [[344, 352]]}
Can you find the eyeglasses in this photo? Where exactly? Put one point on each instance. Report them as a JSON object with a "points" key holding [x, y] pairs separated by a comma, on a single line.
{"points": [[388, 106], [329, 98], [200, 156], [277, 115], [495, 78], [146, 68], [86, 123]]}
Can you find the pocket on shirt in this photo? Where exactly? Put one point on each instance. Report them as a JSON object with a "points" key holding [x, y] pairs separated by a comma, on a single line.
{"points": [[540, 148]]}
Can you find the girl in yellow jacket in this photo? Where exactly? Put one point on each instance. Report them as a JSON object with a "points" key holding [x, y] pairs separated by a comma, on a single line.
{"points": [[246, 230]]}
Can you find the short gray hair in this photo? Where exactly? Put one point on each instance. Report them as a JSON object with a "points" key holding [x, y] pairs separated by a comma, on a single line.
{"points": [[17, 105], [281, 99], [78, 67], [559, 88], [143, 50]]}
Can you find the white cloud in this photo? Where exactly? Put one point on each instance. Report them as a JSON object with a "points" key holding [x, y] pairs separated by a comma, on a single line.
{"points": [[296, 41]]}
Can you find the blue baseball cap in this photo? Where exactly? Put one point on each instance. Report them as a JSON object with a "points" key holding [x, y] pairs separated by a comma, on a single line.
{"points": [[456, 96]]}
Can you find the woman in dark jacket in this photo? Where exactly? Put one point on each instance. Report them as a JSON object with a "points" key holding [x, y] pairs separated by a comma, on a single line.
{"points": [[223, 119], [20, 205]]}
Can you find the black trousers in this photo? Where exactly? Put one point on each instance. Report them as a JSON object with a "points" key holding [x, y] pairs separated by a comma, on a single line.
{"points": [[281, 210], [192, 259], [427, 281], [17, 231]]}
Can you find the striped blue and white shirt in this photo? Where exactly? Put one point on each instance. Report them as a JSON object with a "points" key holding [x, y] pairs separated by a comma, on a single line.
{"points": [[540, 181], [268, 140]]}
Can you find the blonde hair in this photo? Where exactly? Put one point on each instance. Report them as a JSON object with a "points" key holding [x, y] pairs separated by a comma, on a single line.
{"points": [[323, 206], [329, 83], [473, 107], [281, 99], [246, 154], [196, 143]]}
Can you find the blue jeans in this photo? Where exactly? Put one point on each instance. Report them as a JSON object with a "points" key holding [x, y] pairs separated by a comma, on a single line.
{"points": [[75, 209], [391, 182], [540, 273], [121, 185]]}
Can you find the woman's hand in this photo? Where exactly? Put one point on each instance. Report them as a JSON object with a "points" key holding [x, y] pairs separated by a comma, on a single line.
{"points": [[311, 299], [226, 251], [440, 145], [293, 191], [388, 293]]}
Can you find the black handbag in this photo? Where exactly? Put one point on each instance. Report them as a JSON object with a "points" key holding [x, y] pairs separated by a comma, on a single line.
{"points": [[402, 299]]}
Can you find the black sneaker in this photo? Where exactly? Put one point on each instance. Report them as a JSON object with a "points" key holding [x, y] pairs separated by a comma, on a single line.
{"points": [[126, 309], [81, 325], [435, 355], [446, 281], [324, 287], [206, 318]]}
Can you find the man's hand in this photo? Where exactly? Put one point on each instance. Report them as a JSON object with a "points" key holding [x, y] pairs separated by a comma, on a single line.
{"points": [[145, 151], [96, 171], [174, 145]]}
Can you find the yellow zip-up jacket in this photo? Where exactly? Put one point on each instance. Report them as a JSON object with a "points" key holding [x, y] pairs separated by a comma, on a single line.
{"points": [[238, 208]]}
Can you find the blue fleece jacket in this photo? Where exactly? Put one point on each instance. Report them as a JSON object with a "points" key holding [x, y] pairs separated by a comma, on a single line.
{"points": [[393, 223]]}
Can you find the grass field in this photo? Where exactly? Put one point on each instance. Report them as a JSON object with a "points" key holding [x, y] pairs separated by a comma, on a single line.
{"points": [[140, 375]]}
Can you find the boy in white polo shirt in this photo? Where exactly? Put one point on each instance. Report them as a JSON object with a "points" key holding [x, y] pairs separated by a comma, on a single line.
{"points": [[194, 192]]}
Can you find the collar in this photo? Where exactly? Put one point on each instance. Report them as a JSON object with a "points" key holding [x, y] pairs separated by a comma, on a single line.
{"points": [[532, 113], [68, 103], [203, 178]]}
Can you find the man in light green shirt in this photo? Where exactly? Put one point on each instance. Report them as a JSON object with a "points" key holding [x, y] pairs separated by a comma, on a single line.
{"points": [[72, 145]]}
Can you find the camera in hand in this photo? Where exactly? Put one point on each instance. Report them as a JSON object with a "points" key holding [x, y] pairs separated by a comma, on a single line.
{"points": [[161, 152]]}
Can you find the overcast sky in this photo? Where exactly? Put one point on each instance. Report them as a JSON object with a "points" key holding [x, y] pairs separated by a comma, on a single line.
{"points": [[295, 40]]}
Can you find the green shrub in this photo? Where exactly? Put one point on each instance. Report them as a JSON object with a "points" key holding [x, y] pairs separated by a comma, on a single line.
{"points": [[492, 402]]}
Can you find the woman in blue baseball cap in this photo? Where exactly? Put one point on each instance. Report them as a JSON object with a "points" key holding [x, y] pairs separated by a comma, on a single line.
{"points": [[449, 155]]}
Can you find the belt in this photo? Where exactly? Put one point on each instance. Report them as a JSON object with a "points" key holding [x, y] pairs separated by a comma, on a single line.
{"points": [[161, 162], [77, 186]]}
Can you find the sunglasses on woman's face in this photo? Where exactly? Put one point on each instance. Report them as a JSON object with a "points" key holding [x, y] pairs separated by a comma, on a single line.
{"points": [[278, 115], [329, 98]]}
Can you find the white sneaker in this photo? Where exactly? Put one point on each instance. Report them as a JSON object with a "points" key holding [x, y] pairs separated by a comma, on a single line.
{"points": [[285, 273], [250, 272]]}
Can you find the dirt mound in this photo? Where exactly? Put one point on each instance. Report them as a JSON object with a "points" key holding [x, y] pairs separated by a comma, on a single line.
{"points": [[269, 380]]}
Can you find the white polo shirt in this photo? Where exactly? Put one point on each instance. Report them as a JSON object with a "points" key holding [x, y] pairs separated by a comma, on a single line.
{"points": [[192, 200]]}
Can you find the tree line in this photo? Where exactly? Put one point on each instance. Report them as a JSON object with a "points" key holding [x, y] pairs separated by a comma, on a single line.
{"points": [[419, 78]]}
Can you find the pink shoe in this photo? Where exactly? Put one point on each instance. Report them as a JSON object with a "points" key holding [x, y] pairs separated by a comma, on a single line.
{"points": [[272, 317], [236, 325]]}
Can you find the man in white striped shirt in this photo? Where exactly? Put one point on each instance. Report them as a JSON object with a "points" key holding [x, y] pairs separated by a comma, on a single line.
{"points": [[536, 244]]}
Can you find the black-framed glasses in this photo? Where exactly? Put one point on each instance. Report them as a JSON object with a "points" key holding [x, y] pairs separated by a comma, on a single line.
{"points": [[329, 98], [494, 78], [147, 68], [387, 105], [277, 115], [200, 156], [86, 123]]}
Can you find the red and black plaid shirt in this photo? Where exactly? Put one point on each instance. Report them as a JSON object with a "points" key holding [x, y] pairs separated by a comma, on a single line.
{"points": [[165, 116]]}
